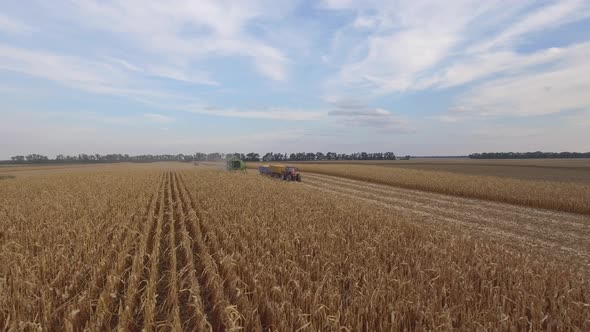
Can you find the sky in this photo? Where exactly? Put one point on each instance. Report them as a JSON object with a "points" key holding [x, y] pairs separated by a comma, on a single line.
{"points": [[412, 77]]}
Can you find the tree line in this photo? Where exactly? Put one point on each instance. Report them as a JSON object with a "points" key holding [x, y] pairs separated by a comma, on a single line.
{"points": [[528, 155], [114, 158], [270, 156], [319, 156], [199, 156]]}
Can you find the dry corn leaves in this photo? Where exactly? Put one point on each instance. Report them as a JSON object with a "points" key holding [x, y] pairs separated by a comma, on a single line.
{"points": [[209, 250]]}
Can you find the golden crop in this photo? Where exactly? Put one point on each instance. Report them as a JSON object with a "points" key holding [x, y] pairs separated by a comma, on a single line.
{"points": [[210, 250], [562, 196]]}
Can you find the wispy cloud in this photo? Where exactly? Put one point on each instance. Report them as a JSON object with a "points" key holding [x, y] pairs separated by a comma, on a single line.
{"points": [[354, 113], [405, 40], [182, 30], [555, 14], [159, 118], [110, 77], [269, 113], [72, 71], [181, 75], [561, 87], [10, 25], [487, 65], [363, 69], [426, 44]]}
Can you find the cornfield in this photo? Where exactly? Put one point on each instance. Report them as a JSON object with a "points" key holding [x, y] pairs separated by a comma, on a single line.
{"points": [[206, 250], [560, 196]]}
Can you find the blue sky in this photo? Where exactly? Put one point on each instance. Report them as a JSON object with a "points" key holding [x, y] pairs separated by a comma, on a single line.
{"points": [[412, 77]]}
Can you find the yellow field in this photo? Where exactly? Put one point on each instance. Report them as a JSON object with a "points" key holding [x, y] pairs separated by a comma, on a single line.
{"points": [[557, 170], [172, 247], [562, 196]]}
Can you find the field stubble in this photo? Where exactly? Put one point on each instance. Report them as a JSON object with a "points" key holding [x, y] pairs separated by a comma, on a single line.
{"points": [[207, 250], [561, 196], [551, 233]]}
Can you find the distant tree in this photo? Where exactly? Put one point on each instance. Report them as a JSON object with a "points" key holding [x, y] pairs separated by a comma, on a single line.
{"points": [[36, 158], [18, 159], [267, 157], [528, 155], [252, 156], [199, 156], [215, 156]]}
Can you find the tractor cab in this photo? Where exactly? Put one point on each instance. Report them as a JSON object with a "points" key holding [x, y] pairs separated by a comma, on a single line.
{"points": [[291, 170], [292, 173]]}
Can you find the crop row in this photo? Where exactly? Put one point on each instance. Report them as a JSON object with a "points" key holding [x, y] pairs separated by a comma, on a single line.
{"points": [[210, 251]]}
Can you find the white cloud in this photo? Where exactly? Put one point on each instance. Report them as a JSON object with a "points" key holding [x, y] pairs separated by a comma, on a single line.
{"points": [[355, 113], [373, 118], [561, 87], [406, 39], [159, 118], [271, 113], [550, 16], [182, 55], [365, 22], [116, 77], [11, 25], [69, 70], [163, 71], [394, 61], [125, 64], [181, 30], [423, 44], [486, 65], [351, 113], [497, 56], [180, 75]]}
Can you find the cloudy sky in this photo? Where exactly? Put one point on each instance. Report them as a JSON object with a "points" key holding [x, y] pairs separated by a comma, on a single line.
{"points": [[412, 77]]}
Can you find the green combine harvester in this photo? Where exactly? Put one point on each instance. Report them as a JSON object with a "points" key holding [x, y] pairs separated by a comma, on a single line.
{"points": [[235, 164]]}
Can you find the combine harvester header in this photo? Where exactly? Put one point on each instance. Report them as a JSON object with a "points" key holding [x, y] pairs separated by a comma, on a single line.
{"points": [[289, 173], [235, 164]]}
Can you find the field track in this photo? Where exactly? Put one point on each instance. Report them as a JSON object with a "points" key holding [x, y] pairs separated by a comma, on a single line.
{"points": [[558, 234]]}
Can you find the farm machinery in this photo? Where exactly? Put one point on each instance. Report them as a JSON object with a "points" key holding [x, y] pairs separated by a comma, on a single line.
{"points": [[235, 164], [289, 173]]}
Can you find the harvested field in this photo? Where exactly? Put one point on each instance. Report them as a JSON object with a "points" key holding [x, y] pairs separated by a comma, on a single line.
{"points": [[536, 172], [173, 248], [562, 235], [557, 170], [561, 196]]}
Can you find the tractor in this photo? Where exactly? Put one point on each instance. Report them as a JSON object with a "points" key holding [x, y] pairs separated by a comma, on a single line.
{"points": [[289, 173]]}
